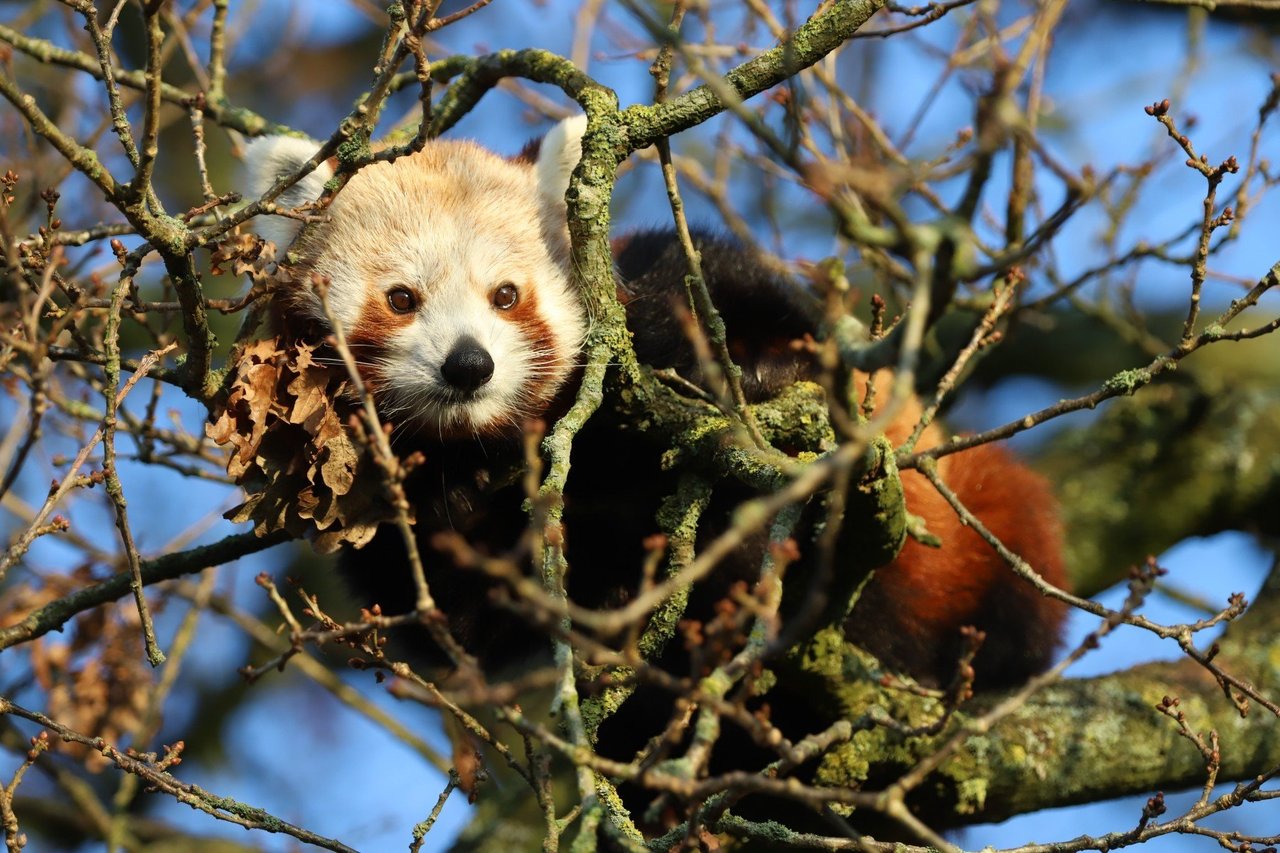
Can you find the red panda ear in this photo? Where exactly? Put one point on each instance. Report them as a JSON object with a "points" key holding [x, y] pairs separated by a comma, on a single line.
{"points": [[269, 158], [558, 155]]}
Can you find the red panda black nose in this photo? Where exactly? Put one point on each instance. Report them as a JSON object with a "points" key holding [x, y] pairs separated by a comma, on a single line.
{"points": [[468, 365]]}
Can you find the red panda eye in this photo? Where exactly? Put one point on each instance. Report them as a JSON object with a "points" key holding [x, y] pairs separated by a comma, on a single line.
{"points": [[401, 300], [506, 297]]}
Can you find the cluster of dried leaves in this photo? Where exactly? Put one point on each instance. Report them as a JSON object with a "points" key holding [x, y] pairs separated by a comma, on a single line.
{"points": [[95, 680], [295, 448]]}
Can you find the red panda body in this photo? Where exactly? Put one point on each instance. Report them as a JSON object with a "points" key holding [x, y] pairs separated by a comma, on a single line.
{"points": [[449, 270]]}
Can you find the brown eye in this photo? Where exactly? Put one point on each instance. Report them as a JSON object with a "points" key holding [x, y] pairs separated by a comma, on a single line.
{"points": [[401, 300], [506, 297]]}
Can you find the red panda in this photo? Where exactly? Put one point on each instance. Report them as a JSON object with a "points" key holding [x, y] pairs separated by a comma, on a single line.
{"points": [[449, 270]]}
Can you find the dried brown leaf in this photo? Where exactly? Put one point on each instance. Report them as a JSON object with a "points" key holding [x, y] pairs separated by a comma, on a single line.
{"points": [[302, 469], [96, 681]]}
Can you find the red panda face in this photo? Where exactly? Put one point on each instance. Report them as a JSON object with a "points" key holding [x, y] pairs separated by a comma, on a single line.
{"points": [[449, 274]]}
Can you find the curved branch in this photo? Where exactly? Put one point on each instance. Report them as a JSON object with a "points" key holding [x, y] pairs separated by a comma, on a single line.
{"points": [[816, 38]]}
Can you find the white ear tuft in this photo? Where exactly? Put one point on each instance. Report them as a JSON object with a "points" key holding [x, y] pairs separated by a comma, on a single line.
{"points": [[270, 158], [558, 155]]}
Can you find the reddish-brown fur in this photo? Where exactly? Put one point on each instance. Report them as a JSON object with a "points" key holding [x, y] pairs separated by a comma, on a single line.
{"points": [[368, 336], [541, 338], [927, 594]]}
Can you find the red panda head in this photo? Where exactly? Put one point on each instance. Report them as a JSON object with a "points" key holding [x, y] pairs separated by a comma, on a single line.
{"points": [[449, 273]]}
